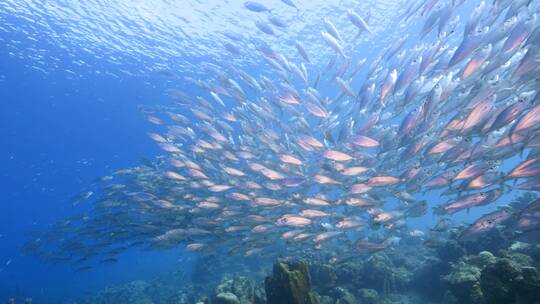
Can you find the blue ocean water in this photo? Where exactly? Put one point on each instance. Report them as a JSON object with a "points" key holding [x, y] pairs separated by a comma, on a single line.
{"points": [[70, 111], [61, 132], [59, 135]]}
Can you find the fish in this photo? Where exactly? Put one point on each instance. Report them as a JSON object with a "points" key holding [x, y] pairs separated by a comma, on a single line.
{"points": [[265, 28], [529, 121], [442, 225], [196, 246], [311, 213], [256, 7], [325, 180], [352, 171], [302, 51], [388, 85], [292, 146], [289, 159], [325, 236], [316, 201], [371, 247], [293, 221], [417, 233], [509, 114], [362, 202], [476, 62], [358, 21], [350, 223], [467, 202], [528, 168], [345, 87], [276, 21], [471, 171], [294, 181], [408, 75], [290, 3], [485, 224], [266, 202], [333, 43], [332, 30], [337, 156], [418, 209], [81, 197], [467, 47], [477, 115], [364, 141], [84, 268], [379, 181]]}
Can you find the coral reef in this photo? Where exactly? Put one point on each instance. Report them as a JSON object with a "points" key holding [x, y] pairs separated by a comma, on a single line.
{"points": [[225, 298], [242, 288], [290, 283], [450, 251], [409, 275], [484, 278], [133, 292], [387, 272], [508, 281], [491, 241], [322, 275], [343, 296], [369, 296], [427, 279]]}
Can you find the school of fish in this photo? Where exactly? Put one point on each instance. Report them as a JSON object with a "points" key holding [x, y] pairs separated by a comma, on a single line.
{"points": [[336, 157]]}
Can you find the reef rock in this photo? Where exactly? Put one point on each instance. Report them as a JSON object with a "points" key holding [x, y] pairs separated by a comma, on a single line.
{"points": [[464, 277], [327, 300], [343, 296], [243, 288], [369, 296], [486, 279], [322, 275], [508, 282], [450, 251], [134, 292], [427, 279], [385, 274], [290, 283], [225, 298]]}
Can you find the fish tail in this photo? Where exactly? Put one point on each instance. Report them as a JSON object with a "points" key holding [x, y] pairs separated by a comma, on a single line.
{"points": [[503, 185], [525, 143]]}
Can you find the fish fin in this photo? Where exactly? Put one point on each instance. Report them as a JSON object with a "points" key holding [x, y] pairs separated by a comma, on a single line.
{"points": [[505, 187]]}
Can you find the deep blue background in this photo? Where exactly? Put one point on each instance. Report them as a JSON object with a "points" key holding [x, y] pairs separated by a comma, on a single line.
{"points": [[58, 133]]}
